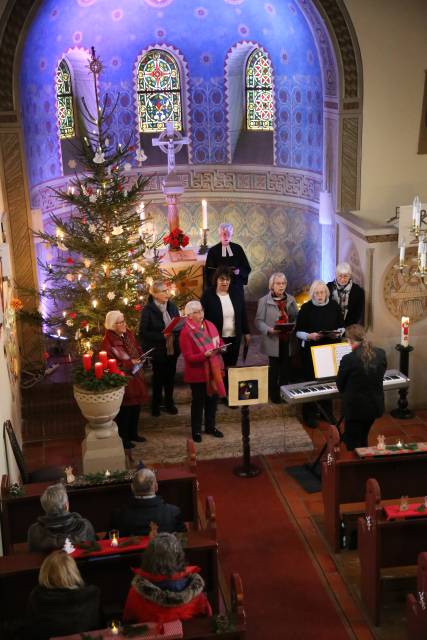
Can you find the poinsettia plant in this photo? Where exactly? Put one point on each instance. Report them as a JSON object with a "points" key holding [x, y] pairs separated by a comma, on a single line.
{"points": [[176, 239]]}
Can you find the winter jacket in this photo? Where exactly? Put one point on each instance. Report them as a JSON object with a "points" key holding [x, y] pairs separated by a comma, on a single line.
{"points": [[62, 612], [134, 519], [50, 531], [194, 359], [162, 599]]}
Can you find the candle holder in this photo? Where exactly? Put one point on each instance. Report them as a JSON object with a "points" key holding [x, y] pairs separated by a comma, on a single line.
{"points": [[204, 245], [402, 412]]}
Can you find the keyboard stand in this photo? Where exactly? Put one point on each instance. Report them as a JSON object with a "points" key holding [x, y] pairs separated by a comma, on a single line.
{"points": [[312, 466]]}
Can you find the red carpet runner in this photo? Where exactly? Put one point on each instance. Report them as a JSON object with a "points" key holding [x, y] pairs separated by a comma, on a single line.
{"points": [[284, 595]]}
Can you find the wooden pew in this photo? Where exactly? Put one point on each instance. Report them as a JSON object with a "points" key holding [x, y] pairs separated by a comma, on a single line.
{"points": [[384, 543], [344, 477], [416, 605], [112, 574], [200, 628], [177, 485]]}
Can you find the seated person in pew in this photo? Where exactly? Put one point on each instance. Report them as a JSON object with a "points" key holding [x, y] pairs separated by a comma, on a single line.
{"points": [[62, 604], [58, 523], [145, 507], [360, 381], [164, 588]]}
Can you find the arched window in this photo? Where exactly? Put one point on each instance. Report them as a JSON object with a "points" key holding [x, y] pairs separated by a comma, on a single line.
{"points": [[64, 101], [259, 92], [159, 96]]}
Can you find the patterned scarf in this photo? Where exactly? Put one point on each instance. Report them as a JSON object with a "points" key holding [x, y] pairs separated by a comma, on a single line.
{"points": [[283, 317], [214, 365], [341, 294], [130, 346]]}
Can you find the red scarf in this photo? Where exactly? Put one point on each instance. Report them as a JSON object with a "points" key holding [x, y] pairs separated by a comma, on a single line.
{"points": [[283, 317], [214, 365]]}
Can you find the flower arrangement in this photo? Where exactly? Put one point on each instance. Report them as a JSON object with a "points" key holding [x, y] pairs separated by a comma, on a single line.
{"points": [[176, 239]]}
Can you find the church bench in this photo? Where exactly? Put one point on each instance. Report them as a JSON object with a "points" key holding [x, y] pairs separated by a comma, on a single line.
{"points": [[112, 574], [177, 485], [344, 477], [201, 628], [416, 605], [384, 544]]}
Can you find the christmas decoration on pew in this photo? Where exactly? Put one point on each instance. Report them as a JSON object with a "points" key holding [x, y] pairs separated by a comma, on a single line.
{"points": [[16, 490], [224, 622], [99, 478], [70, 477], [90, 252], [68, 546], [381, 443]]}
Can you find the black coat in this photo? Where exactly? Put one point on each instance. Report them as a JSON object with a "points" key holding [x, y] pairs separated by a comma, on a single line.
{"points": [[212, 306], [151, 328], [62, 612], [238, 260], [356, 304], [362, 389], [134, 519], [50, 531]]}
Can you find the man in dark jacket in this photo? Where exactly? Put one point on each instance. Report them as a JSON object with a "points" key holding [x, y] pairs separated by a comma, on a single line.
{"points": [[51, 530], [146, 507]]}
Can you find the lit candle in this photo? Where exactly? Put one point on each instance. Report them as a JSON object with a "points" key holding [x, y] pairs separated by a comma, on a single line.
{"points": [[125, 300], [99, 370], [204, 214], [404, 331], [58, 333], [399, 444], [102, 356], [112, 365], [114, 540], [107, 473], [44, 287], [64, 314], [402, 253], [416, 208], [94, 303], [114, 627], [87, 361]]}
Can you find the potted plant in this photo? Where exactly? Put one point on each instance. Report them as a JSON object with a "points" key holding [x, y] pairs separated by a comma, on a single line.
{"points": [[176, 239], [99, 390]]}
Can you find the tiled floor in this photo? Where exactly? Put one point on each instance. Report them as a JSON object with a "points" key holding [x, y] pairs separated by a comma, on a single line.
{"points": [[339, 572]]}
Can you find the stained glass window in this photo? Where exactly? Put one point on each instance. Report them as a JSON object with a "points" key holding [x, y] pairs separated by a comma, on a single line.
{"points": [[259, 92], [64, 101], [159, 96]]}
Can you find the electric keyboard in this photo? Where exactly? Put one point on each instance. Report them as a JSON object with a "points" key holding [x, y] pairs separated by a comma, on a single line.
{"points": [[315, 390]]}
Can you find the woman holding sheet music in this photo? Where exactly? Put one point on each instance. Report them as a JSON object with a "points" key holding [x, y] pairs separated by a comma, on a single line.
{"points": [[360, 381], [319, 321], [155, 317], [276, 313], [120, 343]]}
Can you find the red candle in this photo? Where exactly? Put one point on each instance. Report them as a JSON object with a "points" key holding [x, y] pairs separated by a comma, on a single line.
{"points": [[102, 356], [87, 361], [112, 365], [99, 370]]}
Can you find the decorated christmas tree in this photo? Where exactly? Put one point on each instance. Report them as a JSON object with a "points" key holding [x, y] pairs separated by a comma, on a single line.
{"points": [[105, 256]]}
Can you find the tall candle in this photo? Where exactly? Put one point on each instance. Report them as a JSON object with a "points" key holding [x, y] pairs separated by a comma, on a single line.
{"points": [[87, 361], [112, 365], [402, 253], [204, 214], [99, 370], [404, 331], [102, 357]]}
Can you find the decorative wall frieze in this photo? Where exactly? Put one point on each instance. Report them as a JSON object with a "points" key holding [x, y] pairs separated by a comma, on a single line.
{"points": [[217, 180]]}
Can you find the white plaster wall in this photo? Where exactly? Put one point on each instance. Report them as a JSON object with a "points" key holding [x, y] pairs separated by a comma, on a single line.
{"points": [[393, 44]]}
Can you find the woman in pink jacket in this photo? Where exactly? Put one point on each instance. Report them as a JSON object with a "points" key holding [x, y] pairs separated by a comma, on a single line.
{"points": [[200, 346]]}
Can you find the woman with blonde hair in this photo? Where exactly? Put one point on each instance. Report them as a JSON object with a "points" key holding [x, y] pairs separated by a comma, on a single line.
{"points": [[120, 343], [62, 604], [360, 382]]}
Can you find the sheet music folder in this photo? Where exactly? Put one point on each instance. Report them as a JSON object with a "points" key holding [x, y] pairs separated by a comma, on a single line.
{"points": [[326, 359]]}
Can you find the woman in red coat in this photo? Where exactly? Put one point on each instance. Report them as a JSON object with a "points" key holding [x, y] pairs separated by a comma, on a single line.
{"points": [[200, 345], [165, 589], [120, 343]]}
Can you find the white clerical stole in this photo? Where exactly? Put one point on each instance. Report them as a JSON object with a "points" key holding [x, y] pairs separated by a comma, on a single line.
{"points": [[226, 251]]}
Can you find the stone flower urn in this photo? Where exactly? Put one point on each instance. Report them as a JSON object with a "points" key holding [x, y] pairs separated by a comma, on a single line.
{"points": [[100, 408]]}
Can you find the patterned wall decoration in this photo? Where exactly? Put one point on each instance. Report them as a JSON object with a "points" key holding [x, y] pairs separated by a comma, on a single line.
{"points": [[120, 31], [404, 293], [275, 237]]}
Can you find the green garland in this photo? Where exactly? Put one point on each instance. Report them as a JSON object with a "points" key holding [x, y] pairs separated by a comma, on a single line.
{"points": [[88, 381], [92, 479], [16, 490], [412, 446]]}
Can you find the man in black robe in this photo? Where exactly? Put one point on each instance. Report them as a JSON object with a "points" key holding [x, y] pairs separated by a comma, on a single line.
{"points": [[229, 254]]}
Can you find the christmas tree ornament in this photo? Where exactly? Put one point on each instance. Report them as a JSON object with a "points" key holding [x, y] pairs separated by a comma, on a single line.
{"points": [[99, 156], [117, 231], [93, 197], [92, 228], [69, 322], [140, 156], [69, 277], [127, 166], [111, 295], [72, 163]]}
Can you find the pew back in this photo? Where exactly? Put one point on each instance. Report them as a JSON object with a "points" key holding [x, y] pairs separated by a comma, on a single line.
{"points": [[344, 480], [177, 485]]}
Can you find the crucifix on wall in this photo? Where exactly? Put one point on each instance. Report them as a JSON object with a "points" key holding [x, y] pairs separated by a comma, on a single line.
{"points": [[171, 142]]}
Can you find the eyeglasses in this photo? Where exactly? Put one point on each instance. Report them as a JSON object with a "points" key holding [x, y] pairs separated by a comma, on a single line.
{"points": [[120, 322]]}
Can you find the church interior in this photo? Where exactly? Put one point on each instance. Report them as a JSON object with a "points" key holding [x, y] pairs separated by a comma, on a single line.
{"points": [[301, 123]]}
